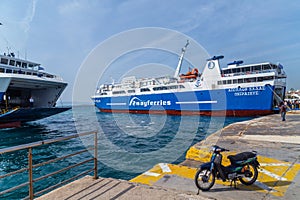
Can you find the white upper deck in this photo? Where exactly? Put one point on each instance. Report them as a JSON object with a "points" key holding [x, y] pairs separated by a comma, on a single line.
{"points": [[12, 67]]}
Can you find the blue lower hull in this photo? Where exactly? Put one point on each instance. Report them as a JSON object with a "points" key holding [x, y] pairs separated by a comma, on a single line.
{"points": [[235, 101]]}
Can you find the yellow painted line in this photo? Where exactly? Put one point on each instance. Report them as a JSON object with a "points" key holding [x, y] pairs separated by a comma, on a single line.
{"points": [[149, 178]]}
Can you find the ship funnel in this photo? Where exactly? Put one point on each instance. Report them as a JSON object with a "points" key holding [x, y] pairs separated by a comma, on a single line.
{"points": [[216, 58], [176, 75], [236, 62]]}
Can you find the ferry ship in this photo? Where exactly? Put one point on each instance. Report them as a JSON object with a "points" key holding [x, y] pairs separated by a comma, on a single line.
{"points": [[236, 90], [27, 91]]}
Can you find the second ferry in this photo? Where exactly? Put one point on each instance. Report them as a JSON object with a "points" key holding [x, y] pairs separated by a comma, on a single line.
{"points": [[27, 91], [236, 90]]}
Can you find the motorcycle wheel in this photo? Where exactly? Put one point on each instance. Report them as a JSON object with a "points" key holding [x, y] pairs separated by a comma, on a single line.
{"points": [[204, 179], [250, 173]]}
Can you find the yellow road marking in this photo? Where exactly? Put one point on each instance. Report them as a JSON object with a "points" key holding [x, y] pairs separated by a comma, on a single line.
{"points": [[182, 171], [274, 176]]}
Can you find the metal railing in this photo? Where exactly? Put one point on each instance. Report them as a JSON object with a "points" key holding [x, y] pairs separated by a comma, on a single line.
{"points": [[30, 167]]}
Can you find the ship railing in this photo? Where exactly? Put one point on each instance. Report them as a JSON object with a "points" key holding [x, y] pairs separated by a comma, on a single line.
{"points": [[249, 73], [30, 167], [5, 110]]}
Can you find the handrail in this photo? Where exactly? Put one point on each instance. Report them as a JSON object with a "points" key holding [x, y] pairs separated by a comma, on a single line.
{"points": [[42, 142], [30, 167]]}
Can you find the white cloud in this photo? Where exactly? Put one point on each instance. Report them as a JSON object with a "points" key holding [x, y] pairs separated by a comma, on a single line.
{"points": [[29, 15], [70, 7]]}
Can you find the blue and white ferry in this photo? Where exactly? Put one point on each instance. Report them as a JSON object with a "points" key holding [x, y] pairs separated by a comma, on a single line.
{"points": [[236, 90]]}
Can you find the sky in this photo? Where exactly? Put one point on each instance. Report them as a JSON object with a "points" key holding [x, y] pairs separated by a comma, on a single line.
{"points": [[62, 34]]}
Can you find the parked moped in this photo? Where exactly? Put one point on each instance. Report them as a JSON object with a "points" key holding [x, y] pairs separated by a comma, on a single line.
{"points": [[243, 167]]}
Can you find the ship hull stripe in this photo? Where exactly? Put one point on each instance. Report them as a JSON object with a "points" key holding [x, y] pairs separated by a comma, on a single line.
{"points": [[219, 113], [116, 104], [195, 102]]}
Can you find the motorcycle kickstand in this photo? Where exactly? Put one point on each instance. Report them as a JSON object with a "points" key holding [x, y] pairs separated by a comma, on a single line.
{"points": [[198, 192], [234, 180]]}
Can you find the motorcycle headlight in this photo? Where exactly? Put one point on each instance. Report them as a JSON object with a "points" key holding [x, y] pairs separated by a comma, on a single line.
{"points": [[213, 148]]}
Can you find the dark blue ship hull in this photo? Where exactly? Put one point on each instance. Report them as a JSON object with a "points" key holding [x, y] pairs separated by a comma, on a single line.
{"points": [[16, 117]]}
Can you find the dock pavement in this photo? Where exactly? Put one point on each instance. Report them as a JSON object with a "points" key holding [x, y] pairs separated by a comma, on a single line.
{"points": [[276, 142]]}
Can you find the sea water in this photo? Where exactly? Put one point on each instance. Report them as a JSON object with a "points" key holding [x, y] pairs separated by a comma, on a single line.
{"points": [[128, 144]]}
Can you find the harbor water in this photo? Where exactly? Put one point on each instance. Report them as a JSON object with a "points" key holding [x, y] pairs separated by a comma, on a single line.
{"points": [[128, 144]]}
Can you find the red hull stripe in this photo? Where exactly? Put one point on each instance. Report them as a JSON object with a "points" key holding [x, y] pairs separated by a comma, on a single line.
{"points": [[220, 113], [10, 124]]}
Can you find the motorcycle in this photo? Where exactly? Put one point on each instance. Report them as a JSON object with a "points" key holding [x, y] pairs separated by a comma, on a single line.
{"points": [[243, 167]]}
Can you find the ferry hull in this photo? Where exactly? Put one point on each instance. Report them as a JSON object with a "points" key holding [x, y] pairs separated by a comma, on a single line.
{"points": [[15, 118], [219, 113], [250, 101]]}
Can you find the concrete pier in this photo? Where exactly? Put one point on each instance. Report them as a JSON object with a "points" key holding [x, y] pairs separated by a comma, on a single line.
{"points": [[108, 188], [278, 147]]}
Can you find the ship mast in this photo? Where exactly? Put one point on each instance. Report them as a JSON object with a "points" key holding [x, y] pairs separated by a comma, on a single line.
{"points": [[180, 59]]}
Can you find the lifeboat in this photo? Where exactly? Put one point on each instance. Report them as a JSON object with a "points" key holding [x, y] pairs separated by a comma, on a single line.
{"points": [[190, 74]]}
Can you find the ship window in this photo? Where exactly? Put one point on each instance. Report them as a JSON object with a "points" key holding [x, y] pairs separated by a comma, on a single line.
{"points": [[28, 73], [235, 81], [227, 71], [246, 69], [266, 78], [236, 70], [2, 70], [131, 91], [240, 80], [219, 82], [104, 93], [49, 76], [173, 87], [274, 66], [159, 88], [260, 79], [229, 81], [12, 62], [181, 86], [257, 68], [224, 82], [249, 80], [34, 74], [18, 64], [4, 61], [24, 65], [8, 71], [145, 90], [15, 72], [266, 67], [119, 92]]}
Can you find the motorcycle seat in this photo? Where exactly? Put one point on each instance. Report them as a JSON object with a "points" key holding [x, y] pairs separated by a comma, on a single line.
{"points": [[241, 156]]}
